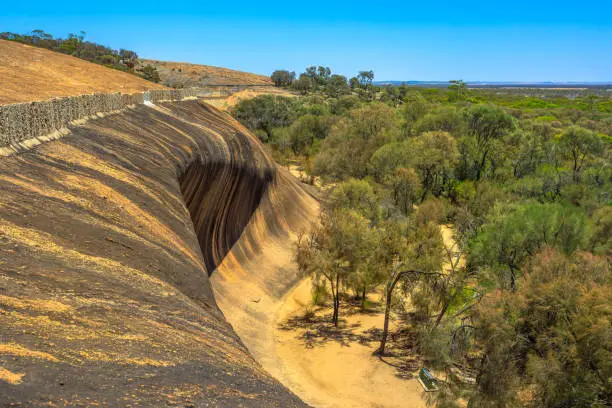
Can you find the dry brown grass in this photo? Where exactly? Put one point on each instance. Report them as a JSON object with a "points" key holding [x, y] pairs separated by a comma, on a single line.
{"points": [[189, 75], [31, 74]]}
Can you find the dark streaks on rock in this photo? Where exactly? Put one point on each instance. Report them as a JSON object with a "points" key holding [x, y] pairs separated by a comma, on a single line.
{"points": [[105, 296]]}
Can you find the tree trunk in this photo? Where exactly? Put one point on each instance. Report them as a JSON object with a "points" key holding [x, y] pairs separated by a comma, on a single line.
{"points": [[442, 313], [383, 341], [481, 165], [363, 297], [396, 276], [393, 279], [336, 296]]}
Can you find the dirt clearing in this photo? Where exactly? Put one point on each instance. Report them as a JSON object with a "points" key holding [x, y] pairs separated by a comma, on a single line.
{"points": [[334, 367]]}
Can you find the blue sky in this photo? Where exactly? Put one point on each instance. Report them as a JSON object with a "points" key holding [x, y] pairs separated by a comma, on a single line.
{"points": [[537, 40]]}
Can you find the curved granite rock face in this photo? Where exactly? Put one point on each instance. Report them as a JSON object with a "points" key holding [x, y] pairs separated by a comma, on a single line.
{"points": [[107, 240]]}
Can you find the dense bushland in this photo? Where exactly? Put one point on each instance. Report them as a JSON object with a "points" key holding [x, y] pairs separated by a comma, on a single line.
{"points": [[518, 312]]}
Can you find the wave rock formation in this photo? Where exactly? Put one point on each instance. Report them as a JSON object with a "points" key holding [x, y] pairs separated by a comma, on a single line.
{"points": [[108, 238]]}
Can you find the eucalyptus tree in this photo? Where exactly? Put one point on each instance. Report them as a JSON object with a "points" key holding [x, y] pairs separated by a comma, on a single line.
{"points": [[336, 247], [486, 125], [579, 144], [282, 77], [433, 155]]}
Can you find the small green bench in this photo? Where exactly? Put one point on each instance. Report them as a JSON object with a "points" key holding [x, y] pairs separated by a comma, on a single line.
{"points": [[427, 380]]}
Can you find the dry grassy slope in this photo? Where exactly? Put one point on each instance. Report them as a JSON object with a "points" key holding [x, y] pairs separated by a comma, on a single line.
{"points": [[193, 75], [104, 291], [33, 74]]}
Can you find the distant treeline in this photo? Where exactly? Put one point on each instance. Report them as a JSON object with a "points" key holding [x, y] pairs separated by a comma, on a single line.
{"points": [[322, 79], [75, 45]]}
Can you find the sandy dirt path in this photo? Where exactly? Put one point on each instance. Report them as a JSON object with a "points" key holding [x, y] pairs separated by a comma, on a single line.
{"points": [[325, 367], [335, 368]]}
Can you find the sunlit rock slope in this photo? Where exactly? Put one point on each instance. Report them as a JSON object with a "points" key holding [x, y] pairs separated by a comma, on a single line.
{"points": [[107, 240]]}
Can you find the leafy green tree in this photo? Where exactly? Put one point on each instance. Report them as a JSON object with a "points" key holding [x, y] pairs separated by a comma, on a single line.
{"points": [[388, 158], [337, 86], [406, 187], [344, 104], [352, 141], [415, 107], [434, 155], [71, 44], [418, 270], [600, 240], [365, 78], [128, 58], [578, 144], [528, 151], [303, 84], [265, 112], [306, 130], [514, 232], [354, 83], [282, 77], [391, 95], [319, 75], [381, 246], [486, 124], [446, 120], [367, 90], [150, 73], [458, 90], [358, 195], [334, 248]]}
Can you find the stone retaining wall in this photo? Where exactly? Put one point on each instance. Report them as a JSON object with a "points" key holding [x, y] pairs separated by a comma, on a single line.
{"points": [[23, 121]]}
